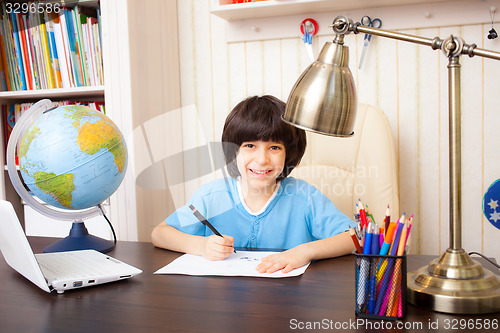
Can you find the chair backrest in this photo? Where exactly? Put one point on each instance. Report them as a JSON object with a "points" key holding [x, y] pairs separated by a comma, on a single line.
{"points": [[362, 166]]}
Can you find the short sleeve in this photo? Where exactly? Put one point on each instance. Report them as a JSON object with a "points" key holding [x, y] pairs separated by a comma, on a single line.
{"points": [[183, 218], [211, 200], [325, 220]]}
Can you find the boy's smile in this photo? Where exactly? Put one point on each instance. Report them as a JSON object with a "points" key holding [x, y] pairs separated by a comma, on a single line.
{"points": [[260, 172], [259, 164]]}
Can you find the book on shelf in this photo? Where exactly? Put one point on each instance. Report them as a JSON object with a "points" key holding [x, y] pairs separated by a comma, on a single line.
{"points": [[41, 50], [54, 56], [3, 78], [15, 44]]}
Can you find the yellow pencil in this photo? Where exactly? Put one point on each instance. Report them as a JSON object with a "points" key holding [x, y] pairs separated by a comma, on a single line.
{"points": [[402, 241]]}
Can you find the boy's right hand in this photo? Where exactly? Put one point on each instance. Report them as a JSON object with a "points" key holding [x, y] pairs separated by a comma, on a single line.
{"points": [[218, 248]]}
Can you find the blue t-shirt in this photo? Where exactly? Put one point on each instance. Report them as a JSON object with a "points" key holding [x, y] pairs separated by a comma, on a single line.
{"points": [[299, 213]]}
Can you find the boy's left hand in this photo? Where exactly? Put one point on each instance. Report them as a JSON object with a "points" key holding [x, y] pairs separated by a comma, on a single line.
{"points": [[287, 261]]}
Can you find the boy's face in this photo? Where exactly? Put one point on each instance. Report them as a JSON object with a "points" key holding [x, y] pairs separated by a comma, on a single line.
{"points": [[260, 163]]}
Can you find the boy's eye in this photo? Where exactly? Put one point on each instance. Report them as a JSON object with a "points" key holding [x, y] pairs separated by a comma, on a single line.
{"points": [[248, 145], [275, 148]]}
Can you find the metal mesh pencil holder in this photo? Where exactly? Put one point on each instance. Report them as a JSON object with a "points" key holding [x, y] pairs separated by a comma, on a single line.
{"points": [[380, 286]]}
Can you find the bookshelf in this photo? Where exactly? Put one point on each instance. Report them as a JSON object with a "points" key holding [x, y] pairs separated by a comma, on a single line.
{"points": [[58, 93], [80, 93]]}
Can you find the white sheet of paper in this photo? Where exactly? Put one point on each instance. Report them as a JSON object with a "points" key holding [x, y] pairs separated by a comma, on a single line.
{"points": [[242, 263]]}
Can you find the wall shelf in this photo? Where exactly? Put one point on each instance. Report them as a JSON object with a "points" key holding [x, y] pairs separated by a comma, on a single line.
{"points": [[278, 19], [260, 9]]}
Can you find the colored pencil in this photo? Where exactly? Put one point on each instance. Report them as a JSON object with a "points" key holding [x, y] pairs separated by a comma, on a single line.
{"points": [[388, 239], [362, 214], [395, 242], [387, 218], [367, 210], [352, 232], [402, 242]]}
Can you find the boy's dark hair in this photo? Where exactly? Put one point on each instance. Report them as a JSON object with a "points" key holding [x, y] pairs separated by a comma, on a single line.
{"points": [[259, 118]]}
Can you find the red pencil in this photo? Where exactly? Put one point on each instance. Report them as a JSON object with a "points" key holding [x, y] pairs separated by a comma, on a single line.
{"points": [[362, 214], [387, 218], [355, 240]]}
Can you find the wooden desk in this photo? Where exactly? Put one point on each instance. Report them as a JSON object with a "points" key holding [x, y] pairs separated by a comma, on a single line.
{"points": [[164, 303]]}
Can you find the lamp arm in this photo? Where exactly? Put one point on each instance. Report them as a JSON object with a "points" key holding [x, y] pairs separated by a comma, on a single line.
{"points": [[435, 43], [341, 25]]}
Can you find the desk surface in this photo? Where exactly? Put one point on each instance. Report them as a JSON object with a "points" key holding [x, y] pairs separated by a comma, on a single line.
{"points": [[323, 296]]}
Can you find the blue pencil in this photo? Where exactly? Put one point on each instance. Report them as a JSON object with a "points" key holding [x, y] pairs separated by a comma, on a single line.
{"points": [[365, 270], [384, 282], [375, 248]]}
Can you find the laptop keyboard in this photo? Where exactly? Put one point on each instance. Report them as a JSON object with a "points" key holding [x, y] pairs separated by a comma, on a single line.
{"points": [[72, 265]]}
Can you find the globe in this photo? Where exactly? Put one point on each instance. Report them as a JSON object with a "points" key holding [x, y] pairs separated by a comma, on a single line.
{"points": [[72, 157]]}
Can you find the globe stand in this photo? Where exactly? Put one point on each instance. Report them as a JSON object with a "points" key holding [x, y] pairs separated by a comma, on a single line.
{"points": [[80, 239]]}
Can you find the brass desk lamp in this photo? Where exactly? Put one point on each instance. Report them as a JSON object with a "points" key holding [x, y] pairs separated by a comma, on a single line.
{"points": [[323, 100]]}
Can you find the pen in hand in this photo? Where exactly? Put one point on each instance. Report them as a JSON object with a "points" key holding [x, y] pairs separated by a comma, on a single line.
{"points": [[203, 220]]}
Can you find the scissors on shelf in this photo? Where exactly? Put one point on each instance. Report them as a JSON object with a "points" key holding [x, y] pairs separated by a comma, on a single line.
{"points": [[368, 22]]}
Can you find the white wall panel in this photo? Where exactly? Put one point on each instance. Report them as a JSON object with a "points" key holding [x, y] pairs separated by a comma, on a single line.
{"points": [[220, 76], [237, 74], [408, 118], [254, 68], [271, 67], [428, 81], [290, 65]]}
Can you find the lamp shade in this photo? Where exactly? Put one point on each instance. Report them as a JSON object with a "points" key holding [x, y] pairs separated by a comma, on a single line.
{"points": [[323, 99]]}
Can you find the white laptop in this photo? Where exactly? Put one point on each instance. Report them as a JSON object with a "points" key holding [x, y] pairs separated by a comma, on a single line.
{"points": [[58, 271]]}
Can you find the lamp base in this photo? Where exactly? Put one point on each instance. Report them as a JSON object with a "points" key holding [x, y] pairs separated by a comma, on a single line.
{"points": [[454, 283]]}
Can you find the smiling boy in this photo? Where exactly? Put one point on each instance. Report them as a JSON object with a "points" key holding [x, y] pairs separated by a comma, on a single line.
{"points": [[259, 205]]}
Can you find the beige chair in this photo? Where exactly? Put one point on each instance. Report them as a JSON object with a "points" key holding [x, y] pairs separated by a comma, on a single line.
{"points": [[359, 167]]}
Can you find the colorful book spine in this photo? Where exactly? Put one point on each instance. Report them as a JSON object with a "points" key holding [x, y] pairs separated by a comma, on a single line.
{"points": [[9, 53], [88, 43], [16, 77], [46, 53], [54, 57], [39, 58], [80, 44], [64, 61], [75, 59], [24, 50], [96, 48], [4, 58], [18, 52], [3, 69], [9, 120]]}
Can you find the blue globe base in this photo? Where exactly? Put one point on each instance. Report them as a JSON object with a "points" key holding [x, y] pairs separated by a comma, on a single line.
{"points": [[80, 239]]}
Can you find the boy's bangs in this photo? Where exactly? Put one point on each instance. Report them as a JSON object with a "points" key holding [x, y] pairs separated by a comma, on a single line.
{"points": [[265, 129]]}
